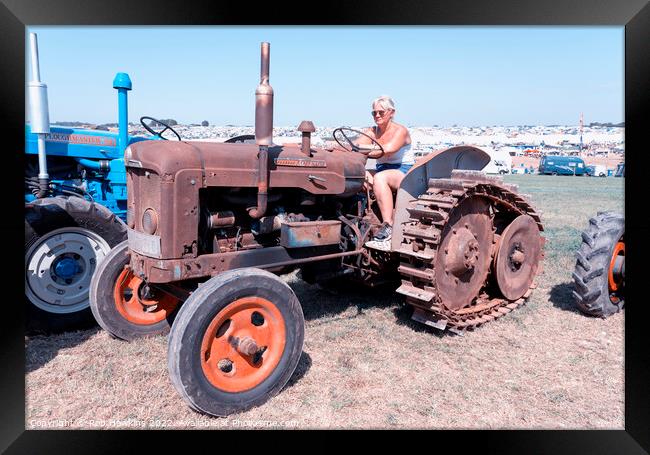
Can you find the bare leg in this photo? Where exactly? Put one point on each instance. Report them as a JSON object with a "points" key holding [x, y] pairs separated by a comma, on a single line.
{"points": [[367, 184], [384, 183]]}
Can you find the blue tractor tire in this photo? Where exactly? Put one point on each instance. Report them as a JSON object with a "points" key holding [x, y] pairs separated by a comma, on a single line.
{"points": [[65, 239]]}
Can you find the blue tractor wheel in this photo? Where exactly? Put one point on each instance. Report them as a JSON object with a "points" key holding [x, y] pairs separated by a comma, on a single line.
{"points": [[65, 240]]}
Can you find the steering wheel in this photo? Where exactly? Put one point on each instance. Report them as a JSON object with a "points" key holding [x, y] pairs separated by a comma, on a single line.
{"points": [[244, 139], [159, 133], [363, 148]]}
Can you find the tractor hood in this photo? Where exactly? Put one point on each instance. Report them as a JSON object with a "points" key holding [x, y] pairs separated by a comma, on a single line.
{"points": [[236, 164]]}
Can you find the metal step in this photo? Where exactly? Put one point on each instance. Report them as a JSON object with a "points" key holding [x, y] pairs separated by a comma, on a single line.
{"points": [[422, 316], [444, 202], [415, 293], [426, 212]]}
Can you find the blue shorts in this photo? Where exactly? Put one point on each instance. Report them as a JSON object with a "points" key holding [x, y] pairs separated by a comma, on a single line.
{"points": [[399, 166]]}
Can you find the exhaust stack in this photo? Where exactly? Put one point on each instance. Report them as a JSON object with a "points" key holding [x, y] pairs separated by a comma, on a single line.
{"points": [[263, 132], [39, 117], [264, 102]]}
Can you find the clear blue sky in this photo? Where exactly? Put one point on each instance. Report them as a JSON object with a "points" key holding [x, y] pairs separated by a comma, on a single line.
{"points": [[436, 75]]}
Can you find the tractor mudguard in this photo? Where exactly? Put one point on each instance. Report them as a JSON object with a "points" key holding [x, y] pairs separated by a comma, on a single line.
{"points": [[435, 165]]}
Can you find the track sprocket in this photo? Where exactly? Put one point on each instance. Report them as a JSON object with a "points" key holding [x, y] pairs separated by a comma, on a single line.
{"points": [[464, 260]]}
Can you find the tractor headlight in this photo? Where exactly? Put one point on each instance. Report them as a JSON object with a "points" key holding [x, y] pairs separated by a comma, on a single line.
{"points": [[150, 221]]}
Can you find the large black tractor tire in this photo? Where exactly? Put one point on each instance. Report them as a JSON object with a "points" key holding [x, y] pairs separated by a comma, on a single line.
{"points": [[65, 239], [236, 342], [118, 303], [593, 293]]}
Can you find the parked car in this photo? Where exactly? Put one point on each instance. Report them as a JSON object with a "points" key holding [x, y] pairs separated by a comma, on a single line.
{"points": [[561, 165]]}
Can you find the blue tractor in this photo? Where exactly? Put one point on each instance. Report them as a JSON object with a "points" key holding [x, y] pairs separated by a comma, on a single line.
{"points": [[75, 206]]}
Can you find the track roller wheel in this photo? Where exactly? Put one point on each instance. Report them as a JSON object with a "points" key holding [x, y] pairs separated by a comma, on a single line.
{"points": [[236, 342], [599, 274], [123, 304], [518, 256]]}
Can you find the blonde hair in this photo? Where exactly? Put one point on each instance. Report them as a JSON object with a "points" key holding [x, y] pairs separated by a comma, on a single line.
{"points": [[384, 101]]}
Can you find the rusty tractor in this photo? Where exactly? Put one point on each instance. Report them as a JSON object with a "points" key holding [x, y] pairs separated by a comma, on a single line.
{"points": [[599, 275], [210, 225]]}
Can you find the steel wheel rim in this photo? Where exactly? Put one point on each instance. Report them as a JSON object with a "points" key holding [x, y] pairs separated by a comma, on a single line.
{"points": [[615, 283], [520, 237], [227, 332], [136, 309], [44, 287]]}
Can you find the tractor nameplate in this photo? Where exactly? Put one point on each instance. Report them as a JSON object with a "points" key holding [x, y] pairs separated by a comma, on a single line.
{"points": [[299, 162], [80, 139], [146, 244]]}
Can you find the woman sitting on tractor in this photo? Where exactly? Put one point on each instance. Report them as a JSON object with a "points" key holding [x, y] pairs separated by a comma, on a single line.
{"points": [[390, 168]]}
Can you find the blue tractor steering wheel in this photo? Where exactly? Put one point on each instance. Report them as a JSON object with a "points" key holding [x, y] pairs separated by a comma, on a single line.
{"points": [[158, 133]]}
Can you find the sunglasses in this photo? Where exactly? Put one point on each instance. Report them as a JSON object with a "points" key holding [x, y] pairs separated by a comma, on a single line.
{"points": [[380, 113]]}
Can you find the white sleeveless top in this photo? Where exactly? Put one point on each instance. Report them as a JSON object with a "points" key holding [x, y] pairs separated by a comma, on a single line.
{"points": [[403, 156]]}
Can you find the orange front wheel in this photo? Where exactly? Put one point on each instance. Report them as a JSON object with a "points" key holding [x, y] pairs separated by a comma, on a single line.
{"points": [[123, 304], [243, 344], [236, 342], [138, 303]]}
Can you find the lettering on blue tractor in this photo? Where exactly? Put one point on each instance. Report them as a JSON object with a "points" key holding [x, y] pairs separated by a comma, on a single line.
{"points": [[80, 139]]}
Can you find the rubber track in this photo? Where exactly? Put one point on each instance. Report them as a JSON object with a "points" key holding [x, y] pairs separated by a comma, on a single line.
{"points": [[425, 228]]}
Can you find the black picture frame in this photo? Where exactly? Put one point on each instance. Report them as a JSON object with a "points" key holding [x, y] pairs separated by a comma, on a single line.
{"points": [[15, 15]]}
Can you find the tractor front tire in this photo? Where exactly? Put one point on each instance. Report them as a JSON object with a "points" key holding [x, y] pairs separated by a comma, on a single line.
{"points": [[236, 342], [66, 238], [118, 303], [594, 292]]}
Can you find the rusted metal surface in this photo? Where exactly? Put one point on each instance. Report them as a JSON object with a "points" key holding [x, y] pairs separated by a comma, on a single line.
{"points": [[263, 132], [262, 183], [225, 218], [264, 101], [310, 233], [247, 346], [235, 165], [171, 270], [438, 300], [463, 259], [173, 174], [518, 256], [306, 128]]}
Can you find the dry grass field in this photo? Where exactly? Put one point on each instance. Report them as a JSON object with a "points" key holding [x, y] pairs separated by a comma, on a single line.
{"points": [[365, 364]]}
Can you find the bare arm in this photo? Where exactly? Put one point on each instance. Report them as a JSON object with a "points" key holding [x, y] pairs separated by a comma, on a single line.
{"points": [[392, 145]]}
